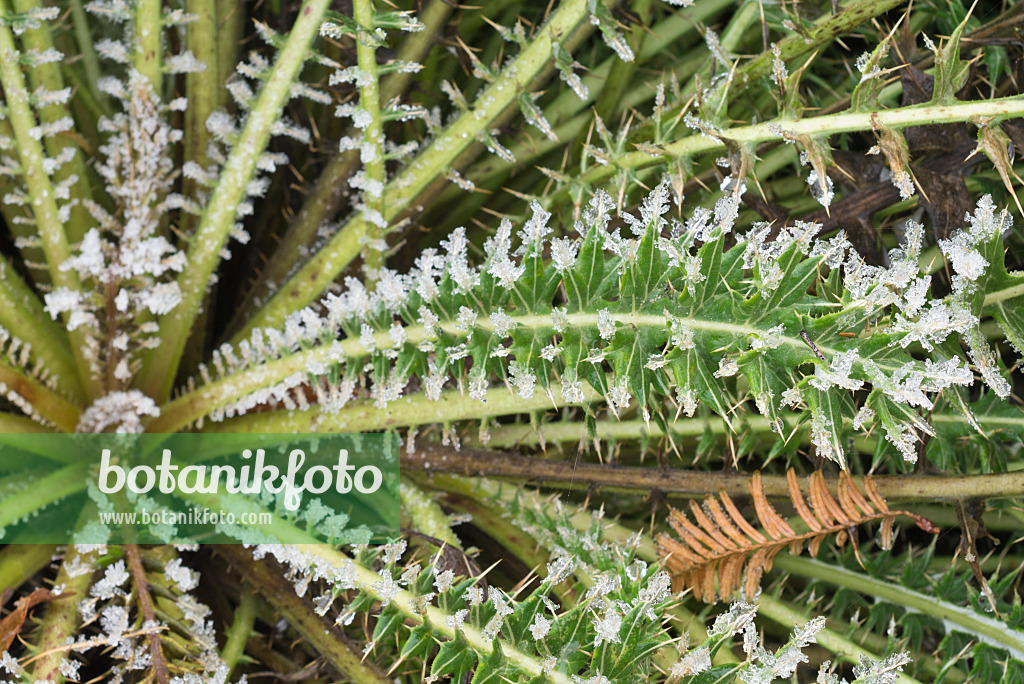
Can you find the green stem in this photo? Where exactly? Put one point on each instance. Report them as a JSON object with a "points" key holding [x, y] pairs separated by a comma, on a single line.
{"points": [[203, 91], [845, 649], [241, 628], [845, 122], [314, 277], [49, 76], [992, 632], [327, 640], [1003, 295], [148, 54], [367, 580], [61, 620], [425, 514], [22, 314], [20, 562], [405, 412], [42, 492], [40, 189], [157, 375], [91, 61], [373, 135], [37, 400], [571, 431]]}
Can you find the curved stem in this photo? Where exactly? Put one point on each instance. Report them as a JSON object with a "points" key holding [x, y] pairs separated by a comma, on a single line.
{"points": [[42, 492], [20, 562], [49, 76], [241, 628], [992, 632], [40, 189], [22, 314], [157, 375], [192, 406], [38, 401]]}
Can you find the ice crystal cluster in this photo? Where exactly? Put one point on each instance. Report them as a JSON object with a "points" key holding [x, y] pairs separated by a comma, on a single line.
{"points": [[634, 319]]}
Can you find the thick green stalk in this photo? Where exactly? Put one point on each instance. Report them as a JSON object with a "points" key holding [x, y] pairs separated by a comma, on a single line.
{"points": [[157, 375], [148, 56], [240, 630], [405, 412], [61, 620], [845, 122], [22, 314], [845, 649], [373, 134], [43, 491], [20, 562], [1004, 295], [369, 581], [49, 76], [570, 431], [425, 514], [230, 20], [314, 277], [203, 91], [83, 39], [40, 189], [986, 629], [38, 399]]}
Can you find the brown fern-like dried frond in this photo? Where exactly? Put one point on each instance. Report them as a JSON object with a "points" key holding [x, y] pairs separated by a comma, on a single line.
{"points": [[719, 543]]}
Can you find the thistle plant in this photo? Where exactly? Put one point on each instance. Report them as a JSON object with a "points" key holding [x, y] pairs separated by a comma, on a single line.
{"points": [[538, 244]]}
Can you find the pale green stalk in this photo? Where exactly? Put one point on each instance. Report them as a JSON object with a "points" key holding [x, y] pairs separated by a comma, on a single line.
{"points": [[157, 375], [408, 411], [83, 40], [38, 398], [42, 492], [61, 621], [49, 76], [20, 562], [373, 134], [845, 122], [40, 189], [329, 190], [148, 56], [240, 630], [986, 629], [22, 314], [230, 17], [203, 91], [425, 515], [314, 277]]}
